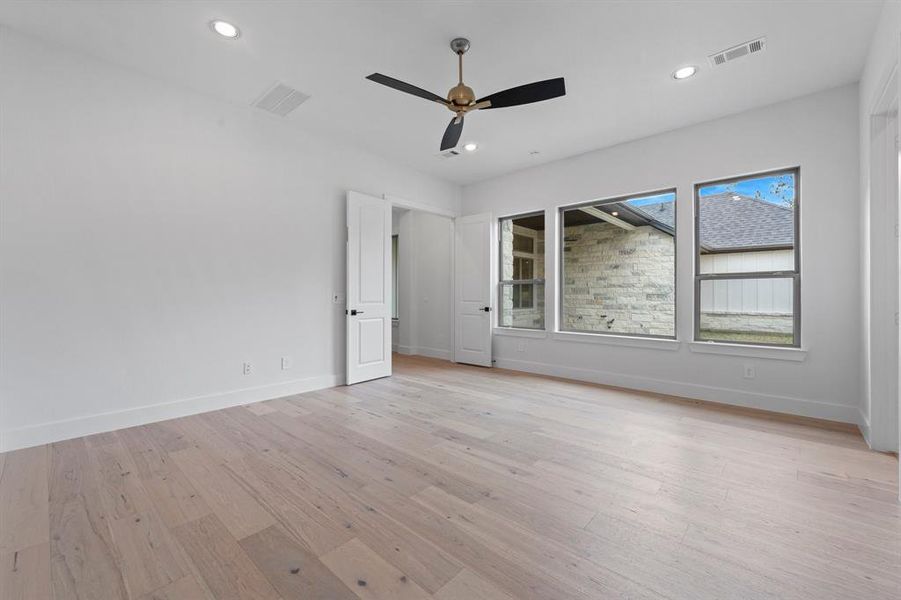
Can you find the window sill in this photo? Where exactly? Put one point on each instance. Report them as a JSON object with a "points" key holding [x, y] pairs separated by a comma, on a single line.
{"points": [[524, 333], [618, 340], [750, 351]]}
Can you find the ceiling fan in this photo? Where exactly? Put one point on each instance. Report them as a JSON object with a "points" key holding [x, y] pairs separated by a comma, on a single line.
{"points": [[461, 99]]}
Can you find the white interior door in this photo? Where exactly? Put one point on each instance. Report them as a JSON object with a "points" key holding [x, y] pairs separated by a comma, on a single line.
{"points": [[368, 287], [472, 284]]}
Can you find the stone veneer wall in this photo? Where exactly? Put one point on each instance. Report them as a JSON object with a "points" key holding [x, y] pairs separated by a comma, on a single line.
{"points": [[748, 322], [619, 281], [626, 276]]}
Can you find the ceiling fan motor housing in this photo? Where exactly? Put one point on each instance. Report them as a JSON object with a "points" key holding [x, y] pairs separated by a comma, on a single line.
{"points": [[461, 95]]}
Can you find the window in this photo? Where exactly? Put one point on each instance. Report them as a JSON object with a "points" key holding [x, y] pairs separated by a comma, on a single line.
{"points": [[747, 267], [618, 266], [521, 286], [394, 277]]}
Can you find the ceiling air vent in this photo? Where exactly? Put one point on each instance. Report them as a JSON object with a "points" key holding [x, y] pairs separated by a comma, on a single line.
{"points": [[281, 99], [730, 54]]}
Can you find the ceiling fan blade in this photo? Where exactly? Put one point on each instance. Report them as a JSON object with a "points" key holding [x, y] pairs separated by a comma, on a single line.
{"points": [[403, 86], [526, 94], [452, 133]]}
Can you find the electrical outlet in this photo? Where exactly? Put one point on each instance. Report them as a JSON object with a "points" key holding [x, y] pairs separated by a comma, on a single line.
{"points": [[750, 372], [287, 363], [521, 347], [248, 368], [338, 297]]}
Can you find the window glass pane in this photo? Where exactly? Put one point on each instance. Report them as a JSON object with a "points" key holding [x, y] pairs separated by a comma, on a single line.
{"points": [[619, 267], [752, 311], [522, 305], [521, 291], [523, 243], [748, 225], [522, 268]]}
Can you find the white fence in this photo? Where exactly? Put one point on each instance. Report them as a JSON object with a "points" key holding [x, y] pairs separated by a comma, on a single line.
{"points": [[748, 296]]}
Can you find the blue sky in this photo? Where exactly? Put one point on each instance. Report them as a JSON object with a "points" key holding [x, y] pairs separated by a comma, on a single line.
{"points": [[765, 188], [777, 189]]}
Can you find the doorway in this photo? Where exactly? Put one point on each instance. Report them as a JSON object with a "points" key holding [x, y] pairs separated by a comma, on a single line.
{"points": [[422, 282]]}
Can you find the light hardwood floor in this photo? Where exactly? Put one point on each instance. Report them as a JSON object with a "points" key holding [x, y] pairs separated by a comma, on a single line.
{"points": [[455, 483]]}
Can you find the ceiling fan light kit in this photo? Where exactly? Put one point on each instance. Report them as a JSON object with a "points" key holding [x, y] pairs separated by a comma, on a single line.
{"points": [[461, 98]]}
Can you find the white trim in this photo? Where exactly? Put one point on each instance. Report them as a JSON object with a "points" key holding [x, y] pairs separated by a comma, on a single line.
{"points": [[413, 205], [783, 404], [55, 431], [520, 332], [443, 354], [863, 423], [751, 351], [618, 340]]}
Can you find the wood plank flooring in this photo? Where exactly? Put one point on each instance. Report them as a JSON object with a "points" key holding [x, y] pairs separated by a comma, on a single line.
{"points": [[455, 483]]}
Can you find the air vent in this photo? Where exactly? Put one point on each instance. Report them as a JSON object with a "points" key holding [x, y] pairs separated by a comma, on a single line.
{"points": [[449, 153], [730, 54], [281, 99]]}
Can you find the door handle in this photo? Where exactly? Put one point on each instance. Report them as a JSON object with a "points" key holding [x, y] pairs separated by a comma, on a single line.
{"points": [[354, 312], [486, 308]]}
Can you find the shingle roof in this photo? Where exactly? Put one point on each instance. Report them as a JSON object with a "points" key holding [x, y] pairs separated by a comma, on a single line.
{"points": [[731, 221]]}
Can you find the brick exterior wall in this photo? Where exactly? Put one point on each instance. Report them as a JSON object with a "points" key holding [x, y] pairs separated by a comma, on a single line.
{"points": [[618, 281]]}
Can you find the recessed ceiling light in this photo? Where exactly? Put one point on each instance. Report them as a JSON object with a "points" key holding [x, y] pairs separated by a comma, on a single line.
{"points": [[615, 214], [471, 147], [225, 29], [684, 72]]}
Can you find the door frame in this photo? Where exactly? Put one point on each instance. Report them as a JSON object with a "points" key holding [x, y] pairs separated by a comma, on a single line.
{"points": [[882, 374]]}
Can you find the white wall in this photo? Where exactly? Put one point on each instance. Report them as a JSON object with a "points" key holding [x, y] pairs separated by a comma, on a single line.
{"points": [[154, 239], [817, 132], [425, 271], [878, 253]]}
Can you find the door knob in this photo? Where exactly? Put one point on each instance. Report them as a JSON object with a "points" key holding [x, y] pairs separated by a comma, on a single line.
{"points": [[487, 309], [354, 312]]}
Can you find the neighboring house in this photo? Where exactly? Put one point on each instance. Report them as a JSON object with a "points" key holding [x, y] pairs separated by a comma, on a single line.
{"points": [[619, 276]]}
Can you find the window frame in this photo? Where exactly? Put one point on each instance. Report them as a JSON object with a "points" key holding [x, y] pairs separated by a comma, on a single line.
{"points": [[561, 273], [794, 275], [500, 269]]}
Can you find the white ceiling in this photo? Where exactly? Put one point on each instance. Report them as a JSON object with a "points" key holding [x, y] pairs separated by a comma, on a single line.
{"points": [[616, 57]]}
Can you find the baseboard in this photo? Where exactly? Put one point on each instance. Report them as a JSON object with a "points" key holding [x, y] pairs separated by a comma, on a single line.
{"points": [[55, 431], [863, 423], [782, 404], [424, 351], [433, 352]]}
